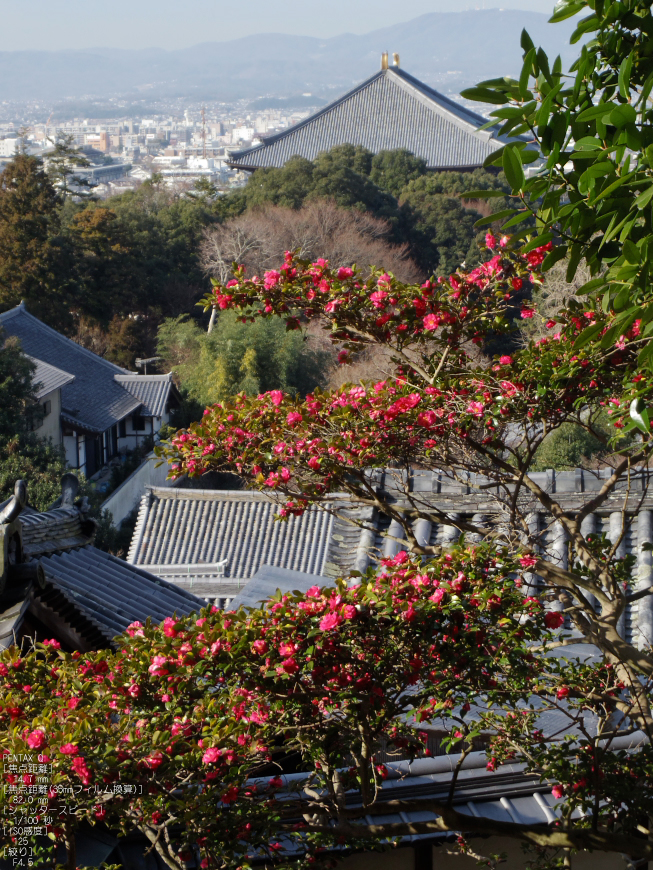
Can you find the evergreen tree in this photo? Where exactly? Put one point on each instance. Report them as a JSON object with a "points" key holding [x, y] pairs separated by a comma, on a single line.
{"points": [[35, 263], [61, 165]]}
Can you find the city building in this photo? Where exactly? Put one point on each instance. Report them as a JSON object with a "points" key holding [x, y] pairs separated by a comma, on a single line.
{"points": [[390, 110]]}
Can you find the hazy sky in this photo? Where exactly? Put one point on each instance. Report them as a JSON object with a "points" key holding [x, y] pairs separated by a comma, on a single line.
{"points": [[56, 24]]}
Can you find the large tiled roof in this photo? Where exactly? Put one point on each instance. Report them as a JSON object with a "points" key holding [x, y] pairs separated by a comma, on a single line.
{"points": [[390, 110], [152, 390], [100, 393], [224, 536], [109, 593], [48, 378]]}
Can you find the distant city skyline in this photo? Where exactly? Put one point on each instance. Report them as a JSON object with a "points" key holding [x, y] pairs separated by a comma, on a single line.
{"points": [[171, 24]]}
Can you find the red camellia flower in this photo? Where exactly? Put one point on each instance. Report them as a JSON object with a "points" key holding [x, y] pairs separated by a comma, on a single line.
{"points": [[562, 692], [154, 760], [554, 619], [69, 749], [527, 560]]}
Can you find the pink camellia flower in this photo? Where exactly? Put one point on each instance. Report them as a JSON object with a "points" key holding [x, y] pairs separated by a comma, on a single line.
{"points": [[550, 324], [527, 560], [349, 611], [271, 278], [134, 690], [505, 360], [503, 241], [377, 298], [557, 791], [68, 749], [527, 313], [157, 668], [384, 280], [437, 596], [36, 739], [169, 627], [344, 272], [343, 357], [314, 463], [432, 321], [276, 396], [490, 241], [211, 755], [476, 408], [53, 643], [260, 647], [293, 418], [313, 592], [562, 692], [554, 619], [331, 620], [517, 283]]}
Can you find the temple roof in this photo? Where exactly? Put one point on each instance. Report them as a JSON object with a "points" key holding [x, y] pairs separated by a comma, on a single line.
{"points": [[390, 110]]}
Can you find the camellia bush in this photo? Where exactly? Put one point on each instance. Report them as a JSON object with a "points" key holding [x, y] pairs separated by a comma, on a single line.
{"points": [[201, 714], [182, 732]]}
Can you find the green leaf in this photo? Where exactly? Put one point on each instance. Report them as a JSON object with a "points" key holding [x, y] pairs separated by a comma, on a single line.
{"points": [[482, 194], [645, 197], [624, 77], [587, 335], [543, 63], [566, 10], [553, 257], [526, 72], [622, 114], [484, 95], [537, 242], [526, 42], [512, 167], [574, 259], [497, 216], [590, 286], [595, 112]]}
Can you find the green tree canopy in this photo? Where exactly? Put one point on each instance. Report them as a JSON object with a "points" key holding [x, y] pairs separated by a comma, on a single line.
{"points": [[35, 262], [239, 357]]}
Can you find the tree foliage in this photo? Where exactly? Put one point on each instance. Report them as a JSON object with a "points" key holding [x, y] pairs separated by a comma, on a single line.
{"points": [[235, 357], [22, 455], [34, 260]]}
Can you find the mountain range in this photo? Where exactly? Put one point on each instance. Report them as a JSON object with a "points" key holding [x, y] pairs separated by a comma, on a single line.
{"points": [[448, 50]]}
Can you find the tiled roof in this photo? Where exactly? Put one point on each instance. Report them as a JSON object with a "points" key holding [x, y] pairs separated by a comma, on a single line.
{"points": [[390, 110], [508, 794], [152, 390], [94, 398], [110, 593], [48, 378], [53, 531], [190, 532]]}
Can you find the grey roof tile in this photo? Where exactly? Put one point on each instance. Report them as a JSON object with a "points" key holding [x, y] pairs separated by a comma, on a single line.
{"points": [[111, 593], [52, 531], [94, 399], [152, 390], [392, 109], [48, 378], [199, 528]]}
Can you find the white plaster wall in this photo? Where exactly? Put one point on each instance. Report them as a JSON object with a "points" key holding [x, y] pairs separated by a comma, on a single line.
{"points": [[123, 500]]}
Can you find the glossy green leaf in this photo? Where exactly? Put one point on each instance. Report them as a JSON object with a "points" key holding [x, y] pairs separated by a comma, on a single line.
{"points": [[553, 257], [526, 72], [596, 112], [624, 77], [483, 95], [587, 335], [512, 167], [497, 216], [645, 197], [622, 115]]}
